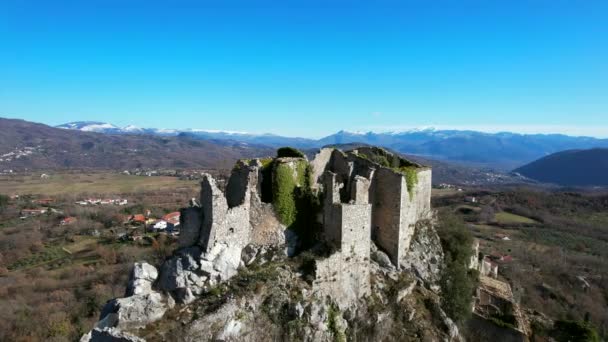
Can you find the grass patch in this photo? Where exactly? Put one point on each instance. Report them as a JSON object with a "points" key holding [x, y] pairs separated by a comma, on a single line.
{"points": [[504, 217], [49, 255]]}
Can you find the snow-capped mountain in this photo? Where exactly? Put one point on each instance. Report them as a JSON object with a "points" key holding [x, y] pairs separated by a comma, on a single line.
{"points": [[91, 126], [504, 150], [108, 128]]}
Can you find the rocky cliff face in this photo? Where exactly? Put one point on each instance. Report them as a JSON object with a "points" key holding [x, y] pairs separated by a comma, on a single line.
{"points": [[241, 274]]}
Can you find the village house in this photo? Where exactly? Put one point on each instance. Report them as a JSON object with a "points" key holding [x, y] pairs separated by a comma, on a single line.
{"points": [[470, 199], [107, 201], [68, 220], [445, 186], [168, 222], [25, 213], [160, 225], [44, 201], [172, 218], [502, 237], [137, 219], [488, 268]]}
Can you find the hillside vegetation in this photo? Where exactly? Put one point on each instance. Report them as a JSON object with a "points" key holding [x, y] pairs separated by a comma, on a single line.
{"points": [[570, 168], [27, 145], [551, 247]]}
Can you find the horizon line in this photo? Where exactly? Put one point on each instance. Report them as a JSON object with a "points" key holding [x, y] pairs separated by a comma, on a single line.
{"points": [[564, 130]]}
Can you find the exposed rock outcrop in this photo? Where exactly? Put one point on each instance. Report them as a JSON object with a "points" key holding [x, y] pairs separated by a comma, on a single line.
{"points": [[133, 312], [181, 275], [425, 255], [370, 197], [142, 277], [109, 335]]}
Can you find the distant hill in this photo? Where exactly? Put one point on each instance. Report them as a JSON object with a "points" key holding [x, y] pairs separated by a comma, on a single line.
{"points": [[36, 146], [570, 168], [28, 145], [495, 150]]}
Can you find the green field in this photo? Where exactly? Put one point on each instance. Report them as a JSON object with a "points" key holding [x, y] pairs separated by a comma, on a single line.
{"points": [[508, 218], [102, 183]]}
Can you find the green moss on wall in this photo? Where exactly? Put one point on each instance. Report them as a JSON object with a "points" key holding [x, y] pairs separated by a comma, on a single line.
{"points": [[333, 314], [266, 162], [290, 184], [302, 174], [294, 201], [283, 198], [411, 178]]}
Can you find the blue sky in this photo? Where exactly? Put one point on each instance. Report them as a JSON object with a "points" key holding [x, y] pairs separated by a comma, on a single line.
{"points": [[308, 68]]}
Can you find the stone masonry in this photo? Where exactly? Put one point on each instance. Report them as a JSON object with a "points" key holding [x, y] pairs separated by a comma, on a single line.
{"points": [[394, 211], [344, 275]]}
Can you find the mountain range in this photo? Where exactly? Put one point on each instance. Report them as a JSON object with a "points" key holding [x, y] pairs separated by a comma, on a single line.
{"points": [[504, 151], [34, 146], [28, 145]]}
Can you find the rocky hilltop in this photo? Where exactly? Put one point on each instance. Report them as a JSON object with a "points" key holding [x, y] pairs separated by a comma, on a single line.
{"points": [[340, 246]]}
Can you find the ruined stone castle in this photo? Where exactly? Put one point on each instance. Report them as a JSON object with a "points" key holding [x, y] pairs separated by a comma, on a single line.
{"points": [[368, 197]]}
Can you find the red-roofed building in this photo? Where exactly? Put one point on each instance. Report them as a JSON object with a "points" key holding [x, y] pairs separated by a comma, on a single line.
{"points": [[137, 218], [506, 258], [68, 220], [172, 218]]}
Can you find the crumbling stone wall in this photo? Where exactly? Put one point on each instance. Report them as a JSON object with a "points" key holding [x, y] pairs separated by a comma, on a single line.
{"points": [[214, 234], [387, 199], [414, 208], [222, 224], [319, 165], [344, 275], [395, 211]]}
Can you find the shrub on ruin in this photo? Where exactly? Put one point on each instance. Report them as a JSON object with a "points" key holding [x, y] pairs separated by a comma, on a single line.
{"points": [[380, 159], [285, 152], [456, 239], [411, 178], [457, 281]]}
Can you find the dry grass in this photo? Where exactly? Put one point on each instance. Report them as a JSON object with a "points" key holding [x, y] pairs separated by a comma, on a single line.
{"points": [[102, 183], [444, 192]]}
